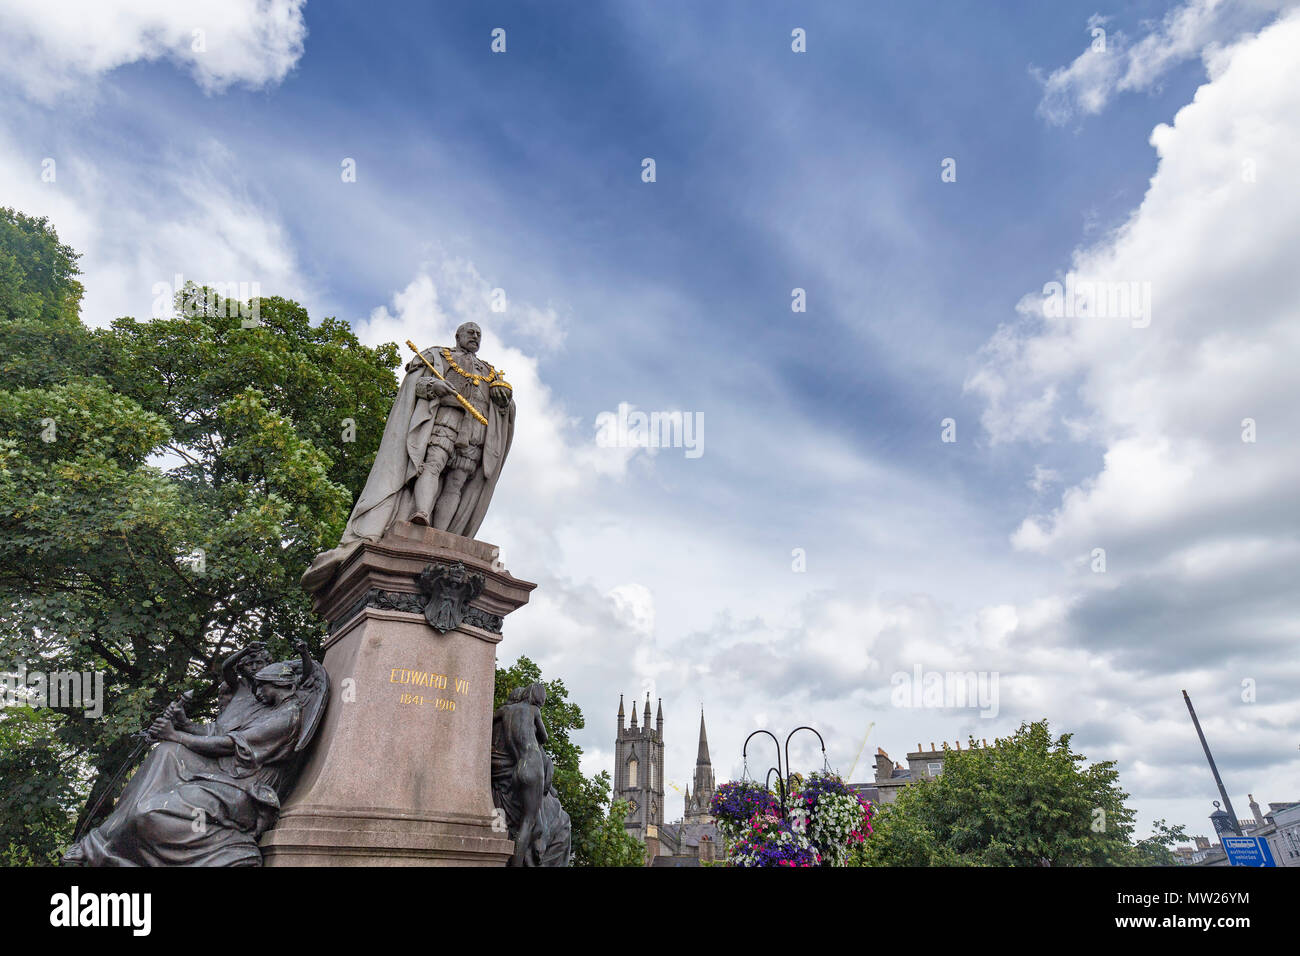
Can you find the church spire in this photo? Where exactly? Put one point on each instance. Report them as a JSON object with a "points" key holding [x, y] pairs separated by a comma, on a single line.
{"points": [[620, 713], [659, 719], [702, 757], [647, 710], [634, 716]]}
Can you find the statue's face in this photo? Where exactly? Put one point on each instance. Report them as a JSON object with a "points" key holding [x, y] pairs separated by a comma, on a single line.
{"points": [[254, 661], [271, 694], [468, 337]]}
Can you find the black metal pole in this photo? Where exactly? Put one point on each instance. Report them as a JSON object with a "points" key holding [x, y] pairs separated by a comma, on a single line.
{"points": [[787, 745], [744, 752], [1227, 803]]}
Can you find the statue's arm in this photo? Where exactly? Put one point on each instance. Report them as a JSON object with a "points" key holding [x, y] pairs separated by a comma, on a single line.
{"points": [[542, 736], [228, 667], [221, 746], [308, 665]]}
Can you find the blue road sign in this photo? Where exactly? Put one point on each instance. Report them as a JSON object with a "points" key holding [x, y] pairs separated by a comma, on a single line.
{"points": [[1247, 851]]}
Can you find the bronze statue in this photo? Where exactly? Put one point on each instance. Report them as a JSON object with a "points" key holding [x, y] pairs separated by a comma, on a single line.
{"points": [[522, 785], [207, 792], [445, 442]]}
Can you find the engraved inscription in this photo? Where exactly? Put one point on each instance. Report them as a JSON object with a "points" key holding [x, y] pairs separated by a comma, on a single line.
{"points": [[433, 681]]}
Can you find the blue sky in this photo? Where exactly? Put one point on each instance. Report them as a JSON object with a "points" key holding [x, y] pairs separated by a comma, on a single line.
{"points": [[775, 170]]}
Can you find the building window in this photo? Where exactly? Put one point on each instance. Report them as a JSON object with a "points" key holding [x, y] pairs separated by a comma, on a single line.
{"points": [[934, 769], [631, 772]]}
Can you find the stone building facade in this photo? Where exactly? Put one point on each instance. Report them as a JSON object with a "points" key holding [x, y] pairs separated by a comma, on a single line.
{"points": [[639, 781], [890, 775], [639, 770]]}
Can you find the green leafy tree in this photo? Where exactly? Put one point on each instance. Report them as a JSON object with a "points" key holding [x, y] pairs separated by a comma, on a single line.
{"points": [[1028, 801], [609, 844], [163, 485], [39, 797], [599, 838], [1158, 849]]}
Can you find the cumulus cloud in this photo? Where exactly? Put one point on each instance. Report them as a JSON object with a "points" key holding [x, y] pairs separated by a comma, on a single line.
{"points": [[1113, 63], [1216, 238], [52, 49], [1194, 504]]}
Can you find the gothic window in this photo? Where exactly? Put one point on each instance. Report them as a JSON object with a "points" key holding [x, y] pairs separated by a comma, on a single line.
{"points": [[631, 772]]}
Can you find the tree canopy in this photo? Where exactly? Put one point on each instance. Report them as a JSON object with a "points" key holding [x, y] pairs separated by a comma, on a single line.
{"points": [[1029, 800]]}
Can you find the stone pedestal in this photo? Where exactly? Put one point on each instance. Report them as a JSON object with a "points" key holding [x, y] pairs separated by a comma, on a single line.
{"points": [[400, 771]]}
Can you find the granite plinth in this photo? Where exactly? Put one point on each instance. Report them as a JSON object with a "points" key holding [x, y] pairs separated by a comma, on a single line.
{"points": [[400, 770]]}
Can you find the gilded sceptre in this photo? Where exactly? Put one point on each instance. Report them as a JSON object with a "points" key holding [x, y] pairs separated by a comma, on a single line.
{"points": [[459, 397]]}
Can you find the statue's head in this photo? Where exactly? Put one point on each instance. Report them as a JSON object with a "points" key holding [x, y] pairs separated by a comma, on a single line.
{"points": [[275, 683], [537, 694], [468, 336], [256, 658]]}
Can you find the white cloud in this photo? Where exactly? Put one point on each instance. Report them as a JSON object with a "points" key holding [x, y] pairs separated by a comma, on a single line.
{"points": [[1122, 65], [188, 214], [1167, 401], [1200, 528], [52, 49]]}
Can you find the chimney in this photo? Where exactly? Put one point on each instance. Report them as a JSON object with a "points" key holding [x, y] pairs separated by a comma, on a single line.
{"points": [[1254, 808], [884, 766]]}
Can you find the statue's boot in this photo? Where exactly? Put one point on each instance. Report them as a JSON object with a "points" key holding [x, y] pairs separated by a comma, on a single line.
{"points": [[425, 494]]}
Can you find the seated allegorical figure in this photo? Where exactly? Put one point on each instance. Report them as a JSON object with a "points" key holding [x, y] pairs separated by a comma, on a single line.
{"points": [[207, 792]]}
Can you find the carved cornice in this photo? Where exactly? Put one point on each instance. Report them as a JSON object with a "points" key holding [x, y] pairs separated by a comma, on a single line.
{"points": [[445, 590]]}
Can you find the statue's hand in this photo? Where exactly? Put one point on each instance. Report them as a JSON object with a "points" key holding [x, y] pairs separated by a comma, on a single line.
{"points": [[250, 648], [500, 396], [432, 388], [162, 729], [175, 712]]}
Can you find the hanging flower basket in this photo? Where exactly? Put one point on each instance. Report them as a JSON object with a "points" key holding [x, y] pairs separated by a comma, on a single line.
{"points": [[737, 802], [833, 817], [824, 821], [769, 840]]}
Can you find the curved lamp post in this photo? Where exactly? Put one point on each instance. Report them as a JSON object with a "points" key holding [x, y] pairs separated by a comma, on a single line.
{"points": [[781, 773]]}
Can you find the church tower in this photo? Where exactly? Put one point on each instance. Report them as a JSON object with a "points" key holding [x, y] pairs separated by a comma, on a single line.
{"points": [[639, 769], [697, 803]]}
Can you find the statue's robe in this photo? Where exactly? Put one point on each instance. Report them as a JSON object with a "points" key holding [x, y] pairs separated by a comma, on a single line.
{"points": [[184, 809], [555, 841], [388, 494]]}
